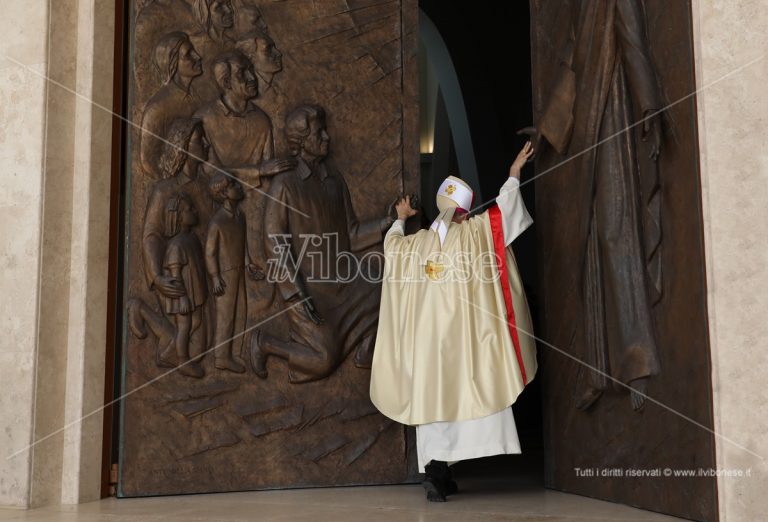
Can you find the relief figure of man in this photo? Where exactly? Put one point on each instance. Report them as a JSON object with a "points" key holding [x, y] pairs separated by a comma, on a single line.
{"points": [[267, 63], [240, 133], [328, 315], [248, 17], [216, 22]]}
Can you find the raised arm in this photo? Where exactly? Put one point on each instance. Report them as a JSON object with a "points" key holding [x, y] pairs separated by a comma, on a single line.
{"points": [[514, 216], [397, 230]]}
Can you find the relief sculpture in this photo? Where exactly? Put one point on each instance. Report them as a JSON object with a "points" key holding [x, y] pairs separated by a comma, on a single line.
{"points": [[227, 260], [267, 62], [215, 27], [185, 150], [249, 18], [611, 252], [623, 307], [319, 341], [239, 131], [179, 65], [183, 262], [252, 299]]}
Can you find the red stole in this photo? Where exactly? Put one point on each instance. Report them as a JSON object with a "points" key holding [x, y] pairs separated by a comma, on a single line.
{"points": [[499, 247]]}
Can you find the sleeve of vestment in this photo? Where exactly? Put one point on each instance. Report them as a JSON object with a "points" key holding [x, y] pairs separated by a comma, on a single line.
{"points": [[514, 216]]}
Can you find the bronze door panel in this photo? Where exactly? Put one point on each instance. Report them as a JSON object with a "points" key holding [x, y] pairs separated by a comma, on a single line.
{"points": [[262, 125], [619, 233]]}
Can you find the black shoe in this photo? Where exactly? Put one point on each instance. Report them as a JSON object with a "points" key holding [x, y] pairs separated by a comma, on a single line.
{"points": [[437, 482], [434, 489], [451, 488]]}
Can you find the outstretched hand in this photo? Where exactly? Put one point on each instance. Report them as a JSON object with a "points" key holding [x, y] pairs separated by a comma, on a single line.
{"points": [[522, 158], [276, 166], [534, 136], [404, 209]]}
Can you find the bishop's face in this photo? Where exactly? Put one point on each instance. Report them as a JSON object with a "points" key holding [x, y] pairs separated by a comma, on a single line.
{"points": [[222, 14], [190, 63], [243, 82], [267, 58], [318, 141], [460, 215]]}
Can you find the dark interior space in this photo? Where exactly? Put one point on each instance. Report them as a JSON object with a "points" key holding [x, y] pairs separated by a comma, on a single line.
{"points": [[489, 45]]}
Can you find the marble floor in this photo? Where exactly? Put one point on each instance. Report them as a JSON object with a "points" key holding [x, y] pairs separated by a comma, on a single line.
{"points": [[483, 497]]}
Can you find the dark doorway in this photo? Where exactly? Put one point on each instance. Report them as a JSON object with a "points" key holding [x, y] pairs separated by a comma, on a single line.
{"points": [[512, 61], [488, 43]]}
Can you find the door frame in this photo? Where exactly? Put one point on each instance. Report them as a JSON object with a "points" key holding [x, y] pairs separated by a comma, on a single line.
{"points": [[115, 269]]}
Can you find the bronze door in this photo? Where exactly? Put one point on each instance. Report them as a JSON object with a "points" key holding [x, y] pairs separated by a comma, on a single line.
{"points": [[626, 367], [268, 139]]}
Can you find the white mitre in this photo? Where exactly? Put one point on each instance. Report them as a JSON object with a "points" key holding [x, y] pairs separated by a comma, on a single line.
{"points": [[453, 194]]}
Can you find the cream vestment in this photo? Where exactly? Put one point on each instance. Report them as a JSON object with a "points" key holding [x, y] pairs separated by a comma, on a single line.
{"points": [[454, 346]]}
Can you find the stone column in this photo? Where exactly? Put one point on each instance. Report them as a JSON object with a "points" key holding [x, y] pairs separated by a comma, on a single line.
{"points": [[22, 164], [733, 137], [56, 59]]}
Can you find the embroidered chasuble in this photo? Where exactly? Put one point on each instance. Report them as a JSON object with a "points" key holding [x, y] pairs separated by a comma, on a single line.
{"points": [[454, 337]]}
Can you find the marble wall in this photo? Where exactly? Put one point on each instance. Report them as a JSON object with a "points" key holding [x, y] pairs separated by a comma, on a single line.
{"points": [[55, 153], [731, 42], [22, 164]]}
